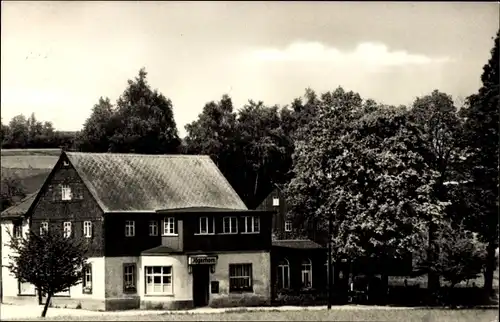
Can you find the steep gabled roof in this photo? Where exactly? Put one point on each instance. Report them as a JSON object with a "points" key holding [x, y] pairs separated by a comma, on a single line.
{"points": [[20, 209], [136, 182]]}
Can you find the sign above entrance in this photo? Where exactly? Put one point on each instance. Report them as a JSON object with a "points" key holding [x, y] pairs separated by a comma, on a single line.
{"points": [[202, 260]]}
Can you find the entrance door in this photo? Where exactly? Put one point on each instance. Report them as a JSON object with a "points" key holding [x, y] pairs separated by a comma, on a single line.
{"points": [[201, 280]]}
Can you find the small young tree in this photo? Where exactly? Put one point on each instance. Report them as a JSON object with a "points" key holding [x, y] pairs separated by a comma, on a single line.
{"points": [[461, 256], [51, 262]]}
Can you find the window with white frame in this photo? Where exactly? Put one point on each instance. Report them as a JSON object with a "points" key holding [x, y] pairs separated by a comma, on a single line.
{"points": [[169, 227], [283, 274], [288, 226], [230, 225], [158, 280], [44, 227], [206, 225], [65, 193], [26, 288], [18, 230], [153, 228], [252, 224], [276, 201], [306, 273], [67, 229], [240, 277], [87, 279], [129, 278], [87, 229], [129, 228]]}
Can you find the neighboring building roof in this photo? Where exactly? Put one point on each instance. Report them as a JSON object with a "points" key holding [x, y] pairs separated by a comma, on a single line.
{"points": [[296, 244], [19, 209], [136, 182], [160, 250]]}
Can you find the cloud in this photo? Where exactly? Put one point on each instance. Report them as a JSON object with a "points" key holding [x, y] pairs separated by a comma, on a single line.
{"points": [[367, 53]]}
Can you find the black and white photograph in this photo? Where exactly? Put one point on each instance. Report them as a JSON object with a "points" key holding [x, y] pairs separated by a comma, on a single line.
{"points": [[249, 161]]}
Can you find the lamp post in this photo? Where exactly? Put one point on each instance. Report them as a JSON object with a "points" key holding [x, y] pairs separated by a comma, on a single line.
{"points": [[329, 269], [330, 275]]}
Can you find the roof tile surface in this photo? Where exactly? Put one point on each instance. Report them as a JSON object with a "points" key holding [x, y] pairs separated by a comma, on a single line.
{"points": [[133, 182]]}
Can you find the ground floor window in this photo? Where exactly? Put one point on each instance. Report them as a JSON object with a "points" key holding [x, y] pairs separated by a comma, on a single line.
{"points": [[158, 280], [306, 273], [283, 274], [87, 279], [26, 288], [129, 278], [240, 277]]}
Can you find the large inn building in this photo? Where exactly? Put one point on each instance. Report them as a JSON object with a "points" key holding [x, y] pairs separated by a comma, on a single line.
{"points": [[165, 231]]}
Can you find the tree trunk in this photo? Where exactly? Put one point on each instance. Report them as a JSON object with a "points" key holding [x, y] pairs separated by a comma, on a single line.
{"points": [[384, 287], [40, 297], [47, 303], [432, 277], [490, 267]]}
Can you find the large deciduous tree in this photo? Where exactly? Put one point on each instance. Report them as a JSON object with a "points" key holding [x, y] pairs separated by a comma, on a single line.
{"points": [[437, 117], [482, 141], [51, 262], [370, 172], [97, 130], [265, 148], [214, 132], [251, 147], [144, 120]]}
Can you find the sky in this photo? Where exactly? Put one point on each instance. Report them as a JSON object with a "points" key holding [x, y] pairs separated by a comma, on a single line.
{"points": [[58, 58]]}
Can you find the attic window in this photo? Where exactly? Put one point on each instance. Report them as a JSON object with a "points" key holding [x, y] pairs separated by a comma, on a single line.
{"points": [[65, 193], [65, 163], [276, 201]]}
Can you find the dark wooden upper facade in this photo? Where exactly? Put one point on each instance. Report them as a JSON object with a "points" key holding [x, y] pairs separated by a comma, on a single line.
{"points": [[131, 233], [283, 227]]}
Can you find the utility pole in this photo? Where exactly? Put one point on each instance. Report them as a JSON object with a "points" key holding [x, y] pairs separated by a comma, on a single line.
{"points": [[329, 269]]}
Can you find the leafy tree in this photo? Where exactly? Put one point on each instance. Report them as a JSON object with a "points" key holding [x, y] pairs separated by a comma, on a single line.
{"points": [[461, 256], [144, 120], [265, 148], [4, 132], [481, 137], [11, 191], [370, 172], [97, 129], [35, 129], [437, 117], [17, 137], [50, 262], [25, 133], [250, 147], [214, 132]]}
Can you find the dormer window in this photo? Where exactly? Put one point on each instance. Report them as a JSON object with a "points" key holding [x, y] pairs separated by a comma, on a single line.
{"points": [[66, 193], [276, 201]]}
